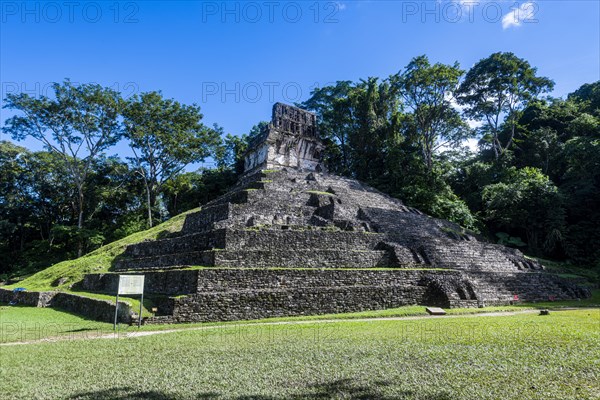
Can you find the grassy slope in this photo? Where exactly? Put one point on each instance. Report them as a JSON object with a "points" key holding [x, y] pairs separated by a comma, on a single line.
{"points": [[567, 270], [97, 261], [509, 357]]}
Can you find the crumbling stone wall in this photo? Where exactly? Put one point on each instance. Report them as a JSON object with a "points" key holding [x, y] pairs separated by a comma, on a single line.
{"points": [[26, 298], [223, 280], [363, 290], [97, 309], [240, 305], [230, 294], [171, 283]]}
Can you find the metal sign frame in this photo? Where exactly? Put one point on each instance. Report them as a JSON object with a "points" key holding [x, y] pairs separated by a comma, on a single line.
{"points": [[129, 284]]}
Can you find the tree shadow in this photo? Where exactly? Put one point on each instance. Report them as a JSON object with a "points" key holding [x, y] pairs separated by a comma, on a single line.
{"points": [[350, 389], [81, 330], [127, 393], [340, 389]]}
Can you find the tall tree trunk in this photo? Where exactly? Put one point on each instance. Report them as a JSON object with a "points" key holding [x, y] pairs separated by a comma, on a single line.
{"points": [[429, 154], [495, 145], [149, 204], [80, 223], [512, 134]]}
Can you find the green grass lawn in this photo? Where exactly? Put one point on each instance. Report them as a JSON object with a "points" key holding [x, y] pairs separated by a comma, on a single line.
{"points": [[24, 324], [19, 324], [523, 356]]}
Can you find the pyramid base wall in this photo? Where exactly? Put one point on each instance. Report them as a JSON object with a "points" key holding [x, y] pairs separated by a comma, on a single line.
{"points": [[245, 294]]}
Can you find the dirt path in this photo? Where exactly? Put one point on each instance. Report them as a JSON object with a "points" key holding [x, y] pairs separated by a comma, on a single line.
{"points": [[136, 334]]}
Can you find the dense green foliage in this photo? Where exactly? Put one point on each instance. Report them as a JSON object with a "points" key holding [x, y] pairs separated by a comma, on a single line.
{"points": [[72, 198], [522, 356], [533, 183], [165, 136], [76, 126]]}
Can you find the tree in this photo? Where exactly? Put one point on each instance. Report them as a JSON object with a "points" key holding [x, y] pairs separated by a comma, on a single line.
{"points": [[427, 90], [335, 113], [230, 153], [165, 137], [588, 96], [15, 201], [581, 189], [192, 189], [78, 124], [376, 115], [496, 89], [527, 202], [357, 120], [38, 208]]}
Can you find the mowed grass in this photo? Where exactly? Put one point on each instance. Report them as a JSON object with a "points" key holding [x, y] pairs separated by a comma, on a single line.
{"points": [[27, 324], [523, 356], [23, 324]]}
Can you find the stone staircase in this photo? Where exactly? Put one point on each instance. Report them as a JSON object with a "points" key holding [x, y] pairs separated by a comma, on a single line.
{"points": [[288, 242]]}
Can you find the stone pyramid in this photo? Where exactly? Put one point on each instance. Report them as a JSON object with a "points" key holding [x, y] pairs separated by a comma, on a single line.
{"points": [[290, 239]]}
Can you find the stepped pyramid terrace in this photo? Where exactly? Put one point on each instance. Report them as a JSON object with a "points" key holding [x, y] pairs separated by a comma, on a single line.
{"points": [[290, 239]]}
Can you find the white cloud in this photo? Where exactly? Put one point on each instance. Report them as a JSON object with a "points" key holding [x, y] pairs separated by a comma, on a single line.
{"points": [[474, 124], [471, 144], [524, 13], [471, 122]]}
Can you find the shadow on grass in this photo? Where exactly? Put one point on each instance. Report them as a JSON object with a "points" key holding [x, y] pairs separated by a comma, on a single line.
{"points": [[82, 330], [343, 389]]}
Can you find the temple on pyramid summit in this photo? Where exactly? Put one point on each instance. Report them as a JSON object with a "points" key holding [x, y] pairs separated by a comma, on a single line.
{"points": [[291, 239]]}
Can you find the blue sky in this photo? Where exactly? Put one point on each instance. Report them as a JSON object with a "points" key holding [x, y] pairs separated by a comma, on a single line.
{"points": [[235, 59]]}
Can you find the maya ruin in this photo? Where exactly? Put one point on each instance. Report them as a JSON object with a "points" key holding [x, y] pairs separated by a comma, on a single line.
{"points": [[300, 200], [290, 239]]}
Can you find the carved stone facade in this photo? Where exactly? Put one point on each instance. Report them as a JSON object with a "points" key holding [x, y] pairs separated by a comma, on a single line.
{"points": [[290, 140]]}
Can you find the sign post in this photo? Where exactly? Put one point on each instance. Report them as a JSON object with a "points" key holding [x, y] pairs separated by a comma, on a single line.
{"points": [[130, 284]]}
